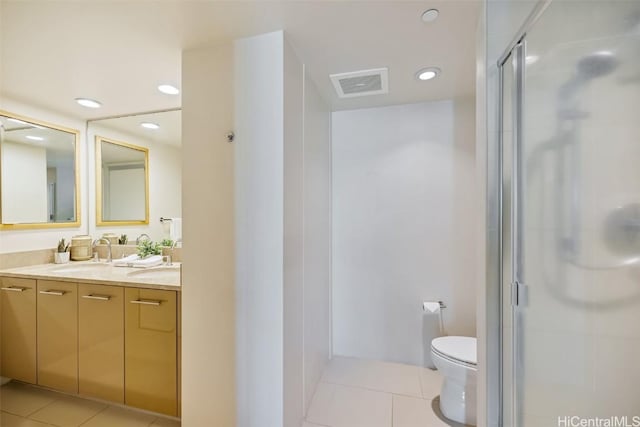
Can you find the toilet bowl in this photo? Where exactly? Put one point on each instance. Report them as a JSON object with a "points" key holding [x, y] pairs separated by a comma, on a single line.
{"points": [[455, 358]]}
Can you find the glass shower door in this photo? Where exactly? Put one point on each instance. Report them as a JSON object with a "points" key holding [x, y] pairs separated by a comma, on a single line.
{"points": [[575, 199]]}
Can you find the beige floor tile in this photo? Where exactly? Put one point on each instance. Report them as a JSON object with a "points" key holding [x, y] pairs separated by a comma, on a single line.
{"points": [[9, 420], [375, 375], [21, 399], [307, 424], [431, 383], [340, 406], [164, 422], [68, 412], [414, 412], [322, 400], [120, 417]]}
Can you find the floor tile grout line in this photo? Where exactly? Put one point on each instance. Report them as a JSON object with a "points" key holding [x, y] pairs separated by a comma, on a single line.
{"points": [[41, 408], [94, 415], [421, 396]]}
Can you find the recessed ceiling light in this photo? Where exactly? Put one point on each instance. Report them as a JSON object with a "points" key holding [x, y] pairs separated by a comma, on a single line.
{"points": [[34, 138], [149, 125], [427, 73], [168, 89], [430, 15], [89, 103], [530, 59]]}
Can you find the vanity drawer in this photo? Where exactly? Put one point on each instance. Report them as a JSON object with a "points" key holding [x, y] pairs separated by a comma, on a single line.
{"points": [[18, 329]]}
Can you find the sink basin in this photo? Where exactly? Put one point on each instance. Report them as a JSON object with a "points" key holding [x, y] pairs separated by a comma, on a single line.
{"points": [[169, 273], [79, 268]]}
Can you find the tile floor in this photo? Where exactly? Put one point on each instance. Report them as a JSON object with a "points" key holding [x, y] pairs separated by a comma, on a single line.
{"points": [[23, 405], [365, 393]]}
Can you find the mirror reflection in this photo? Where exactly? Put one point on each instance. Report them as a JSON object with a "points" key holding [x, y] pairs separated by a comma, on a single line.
{"points": [[123, 184], [38, 176], [160, 133]]}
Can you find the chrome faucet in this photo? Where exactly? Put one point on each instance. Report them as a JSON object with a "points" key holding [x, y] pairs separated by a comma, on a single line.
{"points": [[98, 241], [140, 237], [169, 258], [174, 244]]}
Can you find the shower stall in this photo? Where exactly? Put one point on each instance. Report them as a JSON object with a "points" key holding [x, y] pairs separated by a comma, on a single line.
{"points": [[568, 162]]}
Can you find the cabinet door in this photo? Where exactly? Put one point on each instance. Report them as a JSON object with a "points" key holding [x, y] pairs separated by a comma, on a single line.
{"points": [[18, 329], [150, 350], [58, 335], [101, 341]]}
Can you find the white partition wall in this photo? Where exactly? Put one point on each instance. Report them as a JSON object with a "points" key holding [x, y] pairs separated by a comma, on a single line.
{"points": [[282, 154], [259, 172]]}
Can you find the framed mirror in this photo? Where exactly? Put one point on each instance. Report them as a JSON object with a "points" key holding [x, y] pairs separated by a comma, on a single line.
{"points": [[122, 183], [39, 174]]}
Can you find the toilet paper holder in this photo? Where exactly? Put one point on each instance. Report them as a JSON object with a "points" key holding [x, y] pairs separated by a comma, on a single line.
{"points": [[440, 303]]}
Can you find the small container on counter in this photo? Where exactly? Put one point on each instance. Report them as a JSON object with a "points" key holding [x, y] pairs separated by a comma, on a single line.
{"points": [[111, 237], [81, 248]]}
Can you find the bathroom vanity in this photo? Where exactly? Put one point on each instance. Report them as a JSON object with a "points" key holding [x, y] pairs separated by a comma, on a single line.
{"points": [[105, 332]]}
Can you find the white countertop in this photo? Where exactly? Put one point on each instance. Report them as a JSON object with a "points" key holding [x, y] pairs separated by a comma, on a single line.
{"points": [[160, 277]]}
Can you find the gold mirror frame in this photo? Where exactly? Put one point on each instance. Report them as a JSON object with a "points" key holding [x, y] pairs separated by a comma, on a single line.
{"points": [[98, 154], [45, 225]]}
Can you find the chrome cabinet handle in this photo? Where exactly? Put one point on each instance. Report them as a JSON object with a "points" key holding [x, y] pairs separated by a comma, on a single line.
{"points": [[146, 301], [51, 292], [98, 297], [14, 289]]}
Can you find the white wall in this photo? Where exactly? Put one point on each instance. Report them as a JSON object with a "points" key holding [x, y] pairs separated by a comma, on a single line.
{"points": [[283, 198], [208, 294], [293, 239], [165, 182], [27, 240], [403, 226], [317, 238], [24, 183], [259, 174]]}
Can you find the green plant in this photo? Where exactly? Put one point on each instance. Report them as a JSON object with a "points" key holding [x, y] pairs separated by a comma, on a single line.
{"points": [[147, 248], [63, 246], [166, 242], [123, 239]]}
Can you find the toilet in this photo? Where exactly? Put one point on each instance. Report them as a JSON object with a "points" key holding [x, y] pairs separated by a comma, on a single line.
{"points": [[455, 358]]}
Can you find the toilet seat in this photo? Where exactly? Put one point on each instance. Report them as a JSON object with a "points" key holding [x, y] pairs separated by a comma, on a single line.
{"points": [[459, 350]]}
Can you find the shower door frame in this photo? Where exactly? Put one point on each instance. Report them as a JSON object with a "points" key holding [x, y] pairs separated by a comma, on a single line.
{"points": [[506, 256]]}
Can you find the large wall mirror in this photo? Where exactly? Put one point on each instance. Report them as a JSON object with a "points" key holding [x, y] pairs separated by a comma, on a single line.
{"points": [[39, 174], [161, 133], [122, 178]]}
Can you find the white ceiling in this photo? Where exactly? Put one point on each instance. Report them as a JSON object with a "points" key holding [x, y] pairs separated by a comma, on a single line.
{"points": [[118, 52]]}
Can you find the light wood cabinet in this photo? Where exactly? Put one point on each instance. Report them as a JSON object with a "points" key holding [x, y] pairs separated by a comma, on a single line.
{"points": [[18, 329], [101, 342], [150, 350], [58, 335]]}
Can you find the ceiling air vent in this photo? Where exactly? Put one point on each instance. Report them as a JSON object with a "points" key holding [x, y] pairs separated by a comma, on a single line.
{"points": [[361, 83]]}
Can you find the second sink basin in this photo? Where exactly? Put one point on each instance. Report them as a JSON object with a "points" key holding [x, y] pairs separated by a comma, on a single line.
{"points": [[170, 273], [79, 268]]}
